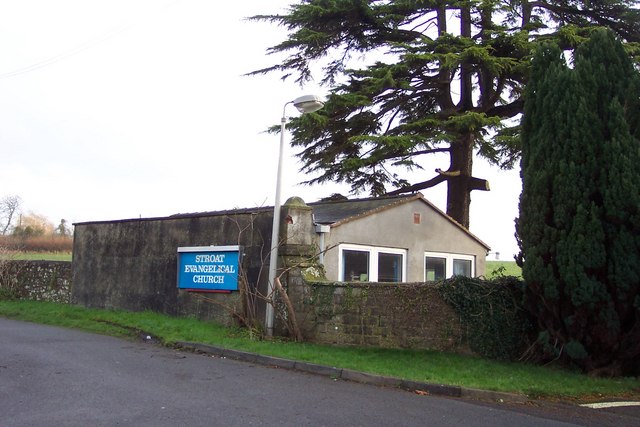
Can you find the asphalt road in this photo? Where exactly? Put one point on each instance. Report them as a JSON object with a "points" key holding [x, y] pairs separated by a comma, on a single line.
{"points": [[58, 377]]}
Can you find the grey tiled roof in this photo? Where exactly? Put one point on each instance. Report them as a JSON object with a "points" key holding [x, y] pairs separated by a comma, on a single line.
{"points": [[332, 211]]}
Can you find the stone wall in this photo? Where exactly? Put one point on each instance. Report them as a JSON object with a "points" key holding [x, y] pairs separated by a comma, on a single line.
{"points": [[131, 265], [37, 280], [376, 314]]}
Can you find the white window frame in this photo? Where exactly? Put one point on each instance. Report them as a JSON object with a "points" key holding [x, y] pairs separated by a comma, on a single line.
{"points": [[449, 257], [373, 259]]}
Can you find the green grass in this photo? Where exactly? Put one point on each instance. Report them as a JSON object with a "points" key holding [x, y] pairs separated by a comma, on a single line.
{"points": [[418, 365], [507, 268], [42, 256]]}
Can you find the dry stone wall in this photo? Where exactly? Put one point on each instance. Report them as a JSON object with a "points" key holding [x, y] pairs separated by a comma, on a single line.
{"points": [[376, 314], [37, 280]]}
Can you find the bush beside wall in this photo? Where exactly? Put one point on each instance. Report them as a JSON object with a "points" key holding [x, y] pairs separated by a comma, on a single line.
{"points": [[491, 311]]}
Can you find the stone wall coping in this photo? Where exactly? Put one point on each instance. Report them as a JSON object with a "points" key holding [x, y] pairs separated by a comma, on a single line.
{"points": [[369, 284], [36, 261]]}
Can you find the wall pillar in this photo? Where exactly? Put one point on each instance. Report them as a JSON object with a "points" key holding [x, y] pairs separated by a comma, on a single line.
{"points": [[298, 252]]}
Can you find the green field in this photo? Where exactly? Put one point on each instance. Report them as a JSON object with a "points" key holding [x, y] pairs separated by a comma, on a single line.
{"points": [[41, 256], [505, 268]]}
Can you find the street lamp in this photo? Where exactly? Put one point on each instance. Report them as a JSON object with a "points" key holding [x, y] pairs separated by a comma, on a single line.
{"points": [[304, 104]]}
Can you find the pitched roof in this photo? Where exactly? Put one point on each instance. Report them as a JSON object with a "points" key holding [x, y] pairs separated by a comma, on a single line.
{"points": [[337, 212]]}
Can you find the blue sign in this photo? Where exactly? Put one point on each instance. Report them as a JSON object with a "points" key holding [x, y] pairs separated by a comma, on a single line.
{"points": [[209, 268]]}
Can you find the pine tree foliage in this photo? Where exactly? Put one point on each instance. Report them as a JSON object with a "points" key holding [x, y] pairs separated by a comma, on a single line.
{"points": [[579, 224], [409, 78]]}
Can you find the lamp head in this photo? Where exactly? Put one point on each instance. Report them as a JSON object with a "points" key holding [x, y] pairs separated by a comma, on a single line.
{"points": [[308, 103]]}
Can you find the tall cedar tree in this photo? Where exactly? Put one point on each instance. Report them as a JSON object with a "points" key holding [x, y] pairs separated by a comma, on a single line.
{"points": [[579, 224], [438, 77]]}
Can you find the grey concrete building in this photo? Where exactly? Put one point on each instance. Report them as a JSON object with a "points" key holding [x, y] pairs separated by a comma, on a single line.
{"points": [[394, 239]]}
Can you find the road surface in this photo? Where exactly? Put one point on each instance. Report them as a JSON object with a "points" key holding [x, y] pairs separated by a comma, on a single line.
{"points": [[52, 376]]}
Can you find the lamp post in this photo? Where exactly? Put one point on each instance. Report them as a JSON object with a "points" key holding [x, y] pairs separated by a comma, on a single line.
{"points": [[304, 104]]}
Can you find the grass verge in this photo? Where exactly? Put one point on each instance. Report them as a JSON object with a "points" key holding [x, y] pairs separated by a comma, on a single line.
{"points": [[418, 365]]}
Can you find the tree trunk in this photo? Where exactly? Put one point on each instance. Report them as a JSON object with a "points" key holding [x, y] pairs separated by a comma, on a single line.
{"points": [[292, 321], [458, 189], [461, 154]]}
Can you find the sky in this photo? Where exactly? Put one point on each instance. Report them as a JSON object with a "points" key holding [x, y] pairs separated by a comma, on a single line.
{"points": [[141, 108]]}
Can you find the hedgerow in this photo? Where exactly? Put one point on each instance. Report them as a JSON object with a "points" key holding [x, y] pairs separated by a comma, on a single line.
{"points": [[52, 243]]}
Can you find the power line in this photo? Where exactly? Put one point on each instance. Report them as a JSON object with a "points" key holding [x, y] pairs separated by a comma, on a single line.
{"points": [[69, 53], [80, 48]]}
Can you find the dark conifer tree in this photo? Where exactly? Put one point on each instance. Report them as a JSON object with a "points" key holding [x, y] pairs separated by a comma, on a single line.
{"points": [[579, 225], [428, 77]]}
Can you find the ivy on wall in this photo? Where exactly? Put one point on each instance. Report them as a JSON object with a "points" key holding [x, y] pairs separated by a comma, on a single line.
{"points": [[491, 311]]}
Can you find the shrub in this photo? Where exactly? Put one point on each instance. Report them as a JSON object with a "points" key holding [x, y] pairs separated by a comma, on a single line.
{"points": [[491, 311], [579, 209], [52, 243]]}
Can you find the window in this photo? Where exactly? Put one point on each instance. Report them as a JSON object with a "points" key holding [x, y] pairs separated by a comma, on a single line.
{"points": [[440, 266], [436, 268], [372, 264], [462, 267], [389, 267], [356, 265]]}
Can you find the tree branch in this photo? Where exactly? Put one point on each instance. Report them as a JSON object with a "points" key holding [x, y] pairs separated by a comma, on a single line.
{"points": [[509, 110], [472, 183], [594, 14], [420, 186], [430, 151]]}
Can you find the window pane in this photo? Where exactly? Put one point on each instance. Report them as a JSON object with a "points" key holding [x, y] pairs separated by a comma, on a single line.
{"points": [[436, 268], [462, 267], [355, 266], [389, 267]]}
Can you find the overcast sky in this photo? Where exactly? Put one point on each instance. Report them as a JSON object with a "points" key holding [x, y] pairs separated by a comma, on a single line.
{"points": [[139, 108]]}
